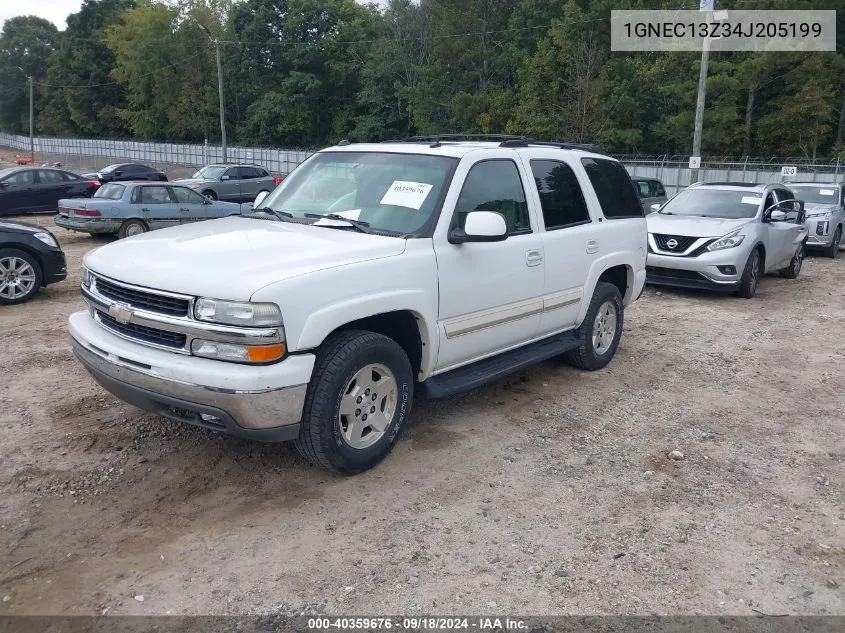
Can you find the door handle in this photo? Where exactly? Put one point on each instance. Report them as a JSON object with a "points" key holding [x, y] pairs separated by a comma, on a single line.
{"points": [[184, 209], [592, 246], [533, 257]]}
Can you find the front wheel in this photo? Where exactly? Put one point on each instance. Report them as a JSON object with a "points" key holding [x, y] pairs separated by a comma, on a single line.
{"points": [[601, 330], [20, 276], [832, 251], [208, 193], [794, 268], [359, 396], [750, 276]]}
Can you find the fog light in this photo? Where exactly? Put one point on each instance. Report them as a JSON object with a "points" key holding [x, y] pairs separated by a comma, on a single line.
{"points": [[727, 270], [821, 228], [207, 417]]}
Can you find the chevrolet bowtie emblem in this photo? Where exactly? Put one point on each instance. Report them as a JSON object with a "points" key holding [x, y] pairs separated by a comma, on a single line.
{"points": [[120, 313]]}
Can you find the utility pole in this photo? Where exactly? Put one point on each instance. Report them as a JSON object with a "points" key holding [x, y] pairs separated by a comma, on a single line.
{"points": [[699, 106], [220, 94], [31, 124], [31, 117]]}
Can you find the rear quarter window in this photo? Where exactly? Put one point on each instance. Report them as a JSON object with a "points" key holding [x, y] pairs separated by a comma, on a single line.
{"points": [[614, 189]]}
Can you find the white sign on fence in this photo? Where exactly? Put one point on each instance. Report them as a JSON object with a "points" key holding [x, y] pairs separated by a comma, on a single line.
{"points": [[694, 162], [706, 5], [788, 170]]}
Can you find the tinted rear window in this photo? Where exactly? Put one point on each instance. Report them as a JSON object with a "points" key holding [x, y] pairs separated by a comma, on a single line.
{"points": [[613, 187]]}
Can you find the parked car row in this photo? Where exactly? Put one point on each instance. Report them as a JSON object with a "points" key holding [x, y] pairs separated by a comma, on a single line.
{"points": [[39, 189]]}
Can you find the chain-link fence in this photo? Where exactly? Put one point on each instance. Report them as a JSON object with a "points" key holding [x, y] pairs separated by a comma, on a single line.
{"points": [[179, 159]]}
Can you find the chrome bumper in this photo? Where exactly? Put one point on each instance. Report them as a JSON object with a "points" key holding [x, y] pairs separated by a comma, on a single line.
{"points": [[269, 416]]}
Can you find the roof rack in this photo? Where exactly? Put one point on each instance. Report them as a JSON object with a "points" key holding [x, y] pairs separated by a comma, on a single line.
{"points": [[504, 140], [732, 184]]}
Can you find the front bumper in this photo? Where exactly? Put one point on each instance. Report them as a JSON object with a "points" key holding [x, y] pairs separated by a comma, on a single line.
{"points": [[54, 266], [262, 403], [88, 225], [707, 271]]}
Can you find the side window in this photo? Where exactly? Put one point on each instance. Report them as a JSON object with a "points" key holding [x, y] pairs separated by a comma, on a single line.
{"points": [[247, 173], [770, 200], [262, 173], [184, 195], [495, 185], [22, 178], [49, 177], [560, 194], [230, 174], [612, 184], [643, 188], [154, 195], [69, 176], [657, 188]]}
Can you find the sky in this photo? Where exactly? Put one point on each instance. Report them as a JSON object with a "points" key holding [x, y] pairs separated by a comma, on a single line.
{"points": [[54, 10]]}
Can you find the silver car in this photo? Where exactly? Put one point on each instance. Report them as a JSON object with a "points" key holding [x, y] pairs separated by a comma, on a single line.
{"points": [[725, 236], [232, 183], [825, 208], [650, 191]]}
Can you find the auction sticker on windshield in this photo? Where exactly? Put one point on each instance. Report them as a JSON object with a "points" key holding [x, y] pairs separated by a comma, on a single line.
{"points": [[406, 194], [827, 192], [751, 200]]}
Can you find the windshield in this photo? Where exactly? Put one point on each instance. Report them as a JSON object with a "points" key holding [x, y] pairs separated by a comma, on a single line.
{"points": [[714, 203], [816, 194], [108, 169], [395, 193], [111, 191], [211, 172]]}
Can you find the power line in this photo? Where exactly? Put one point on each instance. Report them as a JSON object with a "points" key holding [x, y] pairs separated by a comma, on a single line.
{"points": [[116, 83]]}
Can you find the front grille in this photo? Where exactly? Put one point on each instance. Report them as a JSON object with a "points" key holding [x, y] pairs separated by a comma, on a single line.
{"points": [[683, 242], [144, 333], [672, 273], [143, 300]]}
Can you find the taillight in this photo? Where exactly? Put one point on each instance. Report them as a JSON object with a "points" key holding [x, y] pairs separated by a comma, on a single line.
{"points": [[91, 213], [94, 183], [277, 179]]}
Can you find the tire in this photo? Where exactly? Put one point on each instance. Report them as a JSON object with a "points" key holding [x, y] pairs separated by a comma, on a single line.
{"points": [[750, 276], [793, 270], [132, 227], [832, 251], [209, 193], [333, 422], [596, 350], [20, 276]]}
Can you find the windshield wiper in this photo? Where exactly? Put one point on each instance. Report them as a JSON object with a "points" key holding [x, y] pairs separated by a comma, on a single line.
{"points": [[361, 227], [281, 215]]}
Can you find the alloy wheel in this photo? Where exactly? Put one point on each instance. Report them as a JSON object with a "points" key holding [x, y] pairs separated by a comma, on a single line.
{"points": [[17, 278], [604, 328], [367, 406]]}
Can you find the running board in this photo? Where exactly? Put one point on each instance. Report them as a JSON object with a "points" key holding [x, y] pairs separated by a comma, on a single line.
{"points": [[490, 369]]}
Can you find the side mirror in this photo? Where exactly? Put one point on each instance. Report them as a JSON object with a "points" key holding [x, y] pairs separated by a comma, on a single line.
{"points": [[776, 215], [655, 207], [259, 199], [225, 177], [480, 226], [4, 184]]}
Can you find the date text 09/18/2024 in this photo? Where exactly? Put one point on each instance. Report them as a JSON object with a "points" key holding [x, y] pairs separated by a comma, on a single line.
{"points": [[424, 623]]}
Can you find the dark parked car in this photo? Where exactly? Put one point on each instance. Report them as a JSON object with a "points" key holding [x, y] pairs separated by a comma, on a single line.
{"points": [[30, 257], [650, 191], [128, 171], [29, 189]]}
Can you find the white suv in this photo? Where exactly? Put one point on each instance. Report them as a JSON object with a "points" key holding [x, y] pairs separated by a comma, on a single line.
{"points": [[372, 270]]}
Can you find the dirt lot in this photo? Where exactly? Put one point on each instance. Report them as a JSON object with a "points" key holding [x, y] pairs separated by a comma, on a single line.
{"points": [[547, 493]]}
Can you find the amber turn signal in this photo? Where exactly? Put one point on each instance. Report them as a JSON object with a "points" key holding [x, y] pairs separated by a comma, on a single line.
{"points": [[265, 353]]}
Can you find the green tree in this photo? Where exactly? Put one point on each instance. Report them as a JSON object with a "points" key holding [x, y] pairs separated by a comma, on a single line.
{"points": [[26, 43]]}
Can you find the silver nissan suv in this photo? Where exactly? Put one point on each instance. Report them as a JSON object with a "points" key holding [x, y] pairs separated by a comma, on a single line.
{"points": [[725, 236]]}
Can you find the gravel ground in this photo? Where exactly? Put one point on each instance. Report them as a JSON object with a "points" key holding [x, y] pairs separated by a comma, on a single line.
{"points": [[553, 492]]}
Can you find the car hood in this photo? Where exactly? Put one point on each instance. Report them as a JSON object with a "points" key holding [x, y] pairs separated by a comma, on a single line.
{"points": [[231, 258], [692, 226], [814, 208], [9, 226]]}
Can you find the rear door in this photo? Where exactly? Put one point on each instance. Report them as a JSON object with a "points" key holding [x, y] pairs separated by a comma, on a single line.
{"points": [[250, 183], [567, 227], [789, 232], [657, 193], [51, 187], [156, 206], [230, 185]]}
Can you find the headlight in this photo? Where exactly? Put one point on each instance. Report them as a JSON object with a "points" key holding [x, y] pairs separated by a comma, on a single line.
{"points": [[729, 241], [86, 277], [45, 237], [825, 214], [236, 313], [237, 353]]}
